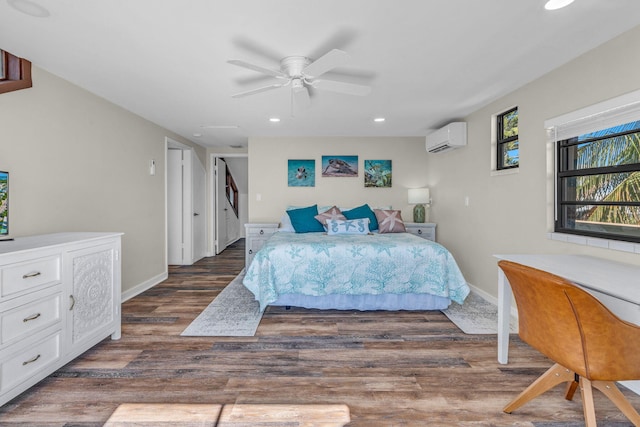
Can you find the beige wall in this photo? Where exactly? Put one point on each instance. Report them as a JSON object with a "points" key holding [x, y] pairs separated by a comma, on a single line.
{"points": [[80, 163], [268, 174], [506, 214], [513, 213]]}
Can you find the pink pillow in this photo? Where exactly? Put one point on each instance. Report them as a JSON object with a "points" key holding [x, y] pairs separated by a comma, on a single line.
{"points": [[331, 213], [389, 221]]}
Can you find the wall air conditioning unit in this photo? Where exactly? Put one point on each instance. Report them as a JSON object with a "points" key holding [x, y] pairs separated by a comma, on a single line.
{"points": [[452, 136]]}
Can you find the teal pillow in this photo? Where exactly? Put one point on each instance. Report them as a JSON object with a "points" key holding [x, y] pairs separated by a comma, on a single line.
{"points": [[304, 221], [363, 211]]}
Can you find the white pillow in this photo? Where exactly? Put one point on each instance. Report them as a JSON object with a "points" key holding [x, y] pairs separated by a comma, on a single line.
{"points": [[285, 224], [285, 220], [348, 226]]}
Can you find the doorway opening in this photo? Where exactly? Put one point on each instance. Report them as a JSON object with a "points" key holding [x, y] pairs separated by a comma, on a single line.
{"points": [[229, 200]]}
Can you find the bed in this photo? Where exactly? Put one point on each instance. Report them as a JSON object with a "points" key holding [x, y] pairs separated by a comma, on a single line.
{"points": [[373, 271]]}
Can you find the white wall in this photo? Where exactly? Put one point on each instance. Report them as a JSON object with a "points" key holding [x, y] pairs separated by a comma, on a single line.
{"points": [[513, 213], [80, 163], [268, 161]]}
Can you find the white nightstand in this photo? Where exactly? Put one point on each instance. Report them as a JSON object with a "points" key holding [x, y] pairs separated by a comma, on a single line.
{"points": [[256, 235], [426, 230]]}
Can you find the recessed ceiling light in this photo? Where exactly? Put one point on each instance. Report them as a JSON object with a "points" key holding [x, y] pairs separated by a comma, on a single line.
{"points": [[557, 4], [197, 135], [379, 119], [219, 126], [29, 8], [274, 120]]}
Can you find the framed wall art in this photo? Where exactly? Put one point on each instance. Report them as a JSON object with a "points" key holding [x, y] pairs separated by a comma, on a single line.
{"points": [[301, 173], [377, 173], [339, 166]]}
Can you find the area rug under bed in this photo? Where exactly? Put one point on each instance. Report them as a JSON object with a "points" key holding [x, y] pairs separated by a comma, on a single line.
{"points": [[235, 313]]}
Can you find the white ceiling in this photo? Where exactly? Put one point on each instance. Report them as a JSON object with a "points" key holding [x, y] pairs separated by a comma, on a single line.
{"points": [[428, 61]]}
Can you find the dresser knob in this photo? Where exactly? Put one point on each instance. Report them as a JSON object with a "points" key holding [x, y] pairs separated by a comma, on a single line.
{"points": [[419, 231], [261, 231]]}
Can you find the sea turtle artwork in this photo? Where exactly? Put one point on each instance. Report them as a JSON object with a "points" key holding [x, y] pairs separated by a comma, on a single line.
{"points": [[301, 173], [339, 166]]}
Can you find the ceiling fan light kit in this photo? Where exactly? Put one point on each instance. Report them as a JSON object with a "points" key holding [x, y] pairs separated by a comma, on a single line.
{"points": [[301, 73]]}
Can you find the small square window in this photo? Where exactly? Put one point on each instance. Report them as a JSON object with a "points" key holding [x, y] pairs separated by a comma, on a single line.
{"points": [[508, 145]]}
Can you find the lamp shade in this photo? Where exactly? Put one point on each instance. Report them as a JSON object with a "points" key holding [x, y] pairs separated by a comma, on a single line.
{"points": [[418, 196]]}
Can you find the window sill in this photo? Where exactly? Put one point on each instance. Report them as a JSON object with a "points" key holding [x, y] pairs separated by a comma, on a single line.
{"points": [[615, 245], [505, 172]]}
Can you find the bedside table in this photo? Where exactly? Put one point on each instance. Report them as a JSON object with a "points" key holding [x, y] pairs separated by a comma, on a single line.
{"points": [[426, 230], [256, 235]]}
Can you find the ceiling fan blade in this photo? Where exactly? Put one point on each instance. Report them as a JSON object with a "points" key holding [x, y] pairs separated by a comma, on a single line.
{"points": [[342, 87], [331, 59], [254, 79], [301, 97], [258, 48], [257, 68], [341, 39], [258, 90]]}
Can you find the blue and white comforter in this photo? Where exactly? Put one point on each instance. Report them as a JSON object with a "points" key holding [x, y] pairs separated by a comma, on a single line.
{"points": [[317, 264]]}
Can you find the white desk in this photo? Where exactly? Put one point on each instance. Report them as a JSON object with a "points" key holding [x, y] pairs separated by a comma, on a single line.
{"points": [[616, 284]]}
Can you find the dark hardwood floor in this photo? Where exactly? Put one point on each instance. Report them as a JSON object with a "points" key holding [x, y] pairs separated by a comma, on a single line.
{"points": [[390, 368]]}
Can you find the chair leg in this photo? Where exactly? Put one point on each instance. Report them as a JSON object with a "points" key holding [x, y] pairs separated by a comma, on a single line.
{"points": [[587, 402], [555, 375], [572, 387], [614, 394]]}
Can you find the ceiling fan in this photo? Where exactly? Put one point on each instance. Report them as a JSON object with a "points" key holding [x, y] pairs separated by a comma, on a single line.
{"points": [[301, 73]]}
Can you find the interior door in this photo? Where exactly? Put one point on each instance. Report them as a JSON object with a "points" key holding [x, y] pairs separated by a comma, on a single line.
{"points": [[199, 208], [221, 206], [175, 208]]}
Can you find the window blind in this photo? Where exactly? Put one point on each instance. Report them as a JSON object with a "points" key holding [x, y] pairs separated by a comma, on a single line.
{"points": [[613, 112]]}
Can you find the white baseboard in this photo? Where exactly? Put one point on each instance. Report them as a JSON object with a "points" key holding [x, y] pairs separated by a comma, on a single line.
{"points": [[147, 284]]}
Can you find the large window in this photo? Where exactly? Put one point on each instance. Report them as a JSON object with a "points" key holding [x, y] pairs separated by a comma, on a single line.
{"points": [[508, 148], [15, 73], [598, 183]]}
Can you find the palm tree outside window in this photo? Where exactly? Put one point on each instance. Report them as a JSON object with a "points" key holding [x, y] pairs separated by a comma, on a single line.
{"points": [[598, 183]]}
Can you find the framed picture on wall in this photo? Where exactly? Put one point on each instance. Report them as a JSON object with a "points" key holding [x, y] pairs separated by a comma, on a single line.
{"points": [[301, 173], [377, 173], [340, 166]]}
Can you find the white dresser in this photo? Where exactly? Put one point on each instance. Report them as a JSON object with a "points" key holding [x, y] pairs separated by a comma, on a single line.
{"points": [[426, 230], [59, 296], [256, 234]]}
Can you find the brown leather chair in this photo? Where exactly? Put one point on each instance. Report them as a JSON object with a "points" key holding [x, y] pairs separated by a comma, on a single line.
{"points": [[591, 346]]}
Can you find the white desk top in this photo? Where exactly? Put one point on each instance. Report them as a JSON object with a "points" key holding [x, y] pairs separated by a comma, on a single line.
{"points": [[612, 278]]}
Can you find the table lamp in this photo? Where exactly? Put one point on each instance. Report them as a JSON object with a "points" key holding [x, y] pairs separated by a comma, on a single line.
{"points": [[419, 197]]}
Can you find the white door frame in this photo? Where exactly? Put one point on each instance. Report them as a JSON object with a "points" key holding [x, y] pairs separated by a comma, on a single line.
{"points": [[188, 199], [212, 193]]}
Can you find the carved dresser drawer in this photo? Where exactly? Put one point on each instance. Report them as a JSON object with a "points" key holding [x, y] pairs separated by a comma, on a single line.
{"points": [[24, 364], [31, 316], [23, 277]]}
